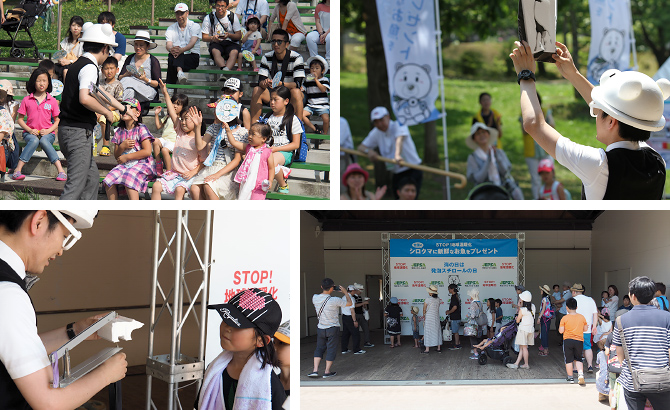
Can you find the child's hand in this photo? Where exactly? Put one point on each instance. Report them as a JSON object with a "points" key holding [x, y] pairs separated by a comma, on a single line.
{"points": [[34, 132], [158, 110], [226, 126], [189, 174], [127, 144], [122, 159], [162, 86], [196, 116]]}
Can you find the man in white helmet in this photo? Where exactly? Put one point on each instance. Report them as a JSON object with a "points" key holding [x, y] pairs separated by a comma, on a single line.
{"points": [[78, 109], [627, 107], [29, 240]]}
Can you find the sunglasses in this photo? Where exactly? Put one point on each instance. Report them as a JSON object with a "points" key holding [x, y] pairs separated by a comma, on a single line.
{"points": [[74, 236], [278, 42]]}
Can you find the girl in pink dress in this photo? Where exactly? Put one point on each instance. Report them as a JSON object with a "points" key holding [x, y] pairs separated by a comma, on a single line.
{"points": [[258, 161]]}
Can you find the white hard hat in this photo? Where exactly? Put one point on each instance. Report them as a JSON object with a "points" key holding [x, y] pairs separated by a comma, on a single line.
{"points": [[632, 98], [98, 33], [82, 219]]}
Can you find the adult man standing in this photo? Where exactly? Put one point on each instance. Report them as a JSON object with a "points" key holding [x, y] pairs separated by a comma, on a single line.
{"points": [[183, 44], [29, 240], [393, 141], [360, 306], [350, 324], [586, 307], [78, 108], [222, 30], [292, 67], [327, 332], [647, 334], [563, 310]]}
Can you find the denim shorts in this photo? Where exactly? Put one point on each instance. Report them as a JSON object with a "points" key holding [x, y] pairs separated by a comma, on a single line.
{"points": [[317, 111], [455, 325]]}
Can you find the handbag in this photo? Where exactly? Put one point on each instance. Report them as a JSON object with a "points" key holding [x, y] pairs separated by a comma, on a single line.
{"points": [[446, 334], [481, 318], [470, 329], [366, 314], [645, 380]]}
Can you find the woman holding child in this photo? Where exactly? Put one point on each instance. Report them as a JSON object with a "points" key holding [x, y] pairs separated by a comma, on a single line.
{"points": [[141, 71]]}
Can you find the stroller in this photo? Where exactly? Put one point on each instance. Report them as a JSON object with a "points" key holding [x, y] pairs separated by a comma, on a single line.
{"points": [[499, 349], [21, 19]]}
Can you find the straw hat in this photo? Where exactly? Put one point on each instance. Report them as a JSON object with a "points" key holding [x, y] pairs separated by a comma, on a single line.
{"points": [[143, 35], [493, 135], [432, 289], [577, 287], [545, 289], [415, 309]]}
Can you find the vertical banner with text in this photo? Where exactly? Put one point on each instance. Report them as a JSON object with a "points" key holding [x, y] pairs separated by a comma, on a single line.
{"points": [[408, 33], [610, 37], [487, 264], [242, 258]]}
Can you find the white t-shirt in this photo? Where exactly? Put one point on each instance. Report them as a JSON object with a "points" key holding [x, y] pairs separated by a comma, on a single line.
{"points": [[601, 329], [330, 314], [346, 310], [221, 25], [346, 140], [279, 132], [181, 38], [89, 73], [245, 9], [586, 307], [527, 323], [21, 351], [590, 164], [385, 141]]}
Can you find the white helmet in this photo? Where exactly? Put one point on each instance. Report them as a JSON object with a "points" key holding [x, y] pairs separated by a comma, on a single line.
{"points": [[82, 219], [98, 33], [632, 98]]}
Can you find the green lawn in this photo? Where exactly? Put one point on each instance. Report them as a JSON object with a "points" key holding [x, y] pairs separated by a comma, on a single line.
{"points": [[461, 99]]}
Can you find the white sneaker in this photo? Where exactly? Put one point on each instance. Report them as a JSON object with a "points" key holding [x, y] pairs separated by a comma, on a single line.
{"points": [[581, 380], [512, 366], [181, 78], [360, 352], [224, 68]]}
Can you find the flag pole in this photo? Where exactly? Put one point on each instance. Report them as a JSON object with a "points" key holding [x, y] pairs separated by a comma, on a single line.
{"points": [[438, 38]]}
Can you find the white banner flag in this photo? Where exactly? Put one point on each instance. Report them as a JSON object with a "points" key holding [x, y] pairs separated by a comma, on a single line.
{"points": [[408, 33], [611, 33], [489, 265]]}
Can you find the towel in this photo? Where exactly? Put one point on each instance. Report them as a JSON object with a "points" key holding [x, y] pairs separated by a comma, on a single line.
{"points": [[253, 389], [494, 176]]}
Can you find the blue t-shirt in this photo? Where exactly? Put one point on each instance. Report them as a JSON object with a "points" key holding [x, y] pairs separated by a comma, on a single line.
{"points": [[499, 314], [663, 302], [121, 41]]}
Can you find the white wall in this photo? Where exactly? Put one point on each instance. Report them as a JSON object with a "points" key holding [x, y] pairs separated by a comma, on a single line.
{"points": [[312, 269], [637, 241]]}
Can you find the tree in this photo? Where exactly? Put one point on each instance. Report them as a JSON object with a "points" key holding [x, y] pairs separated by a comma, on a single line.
{"points": [[650, 18]]}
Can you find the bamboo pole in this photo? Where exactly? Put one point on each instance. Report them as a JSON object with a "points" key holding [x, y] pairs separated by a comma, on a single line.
{"points": [[153, 7], [60, 19], [109, 5], [423, 168]]}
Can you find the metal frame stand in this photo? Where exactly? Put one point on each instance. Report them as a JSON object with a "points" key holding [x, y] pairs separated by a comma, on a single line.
{"points": [[386, 254], [175, 367]]}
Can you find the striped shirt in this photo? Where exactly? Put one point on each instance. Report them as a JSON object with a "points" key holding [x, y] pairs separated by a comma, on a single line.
{"points": [[316, 98], [647, 333], [330, 315], [295, 69]]}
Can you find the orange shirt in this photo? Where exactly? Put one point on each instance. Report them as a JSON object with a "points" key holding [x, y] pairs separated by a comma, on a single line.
{"points": [[573, 325], [290, 28]]}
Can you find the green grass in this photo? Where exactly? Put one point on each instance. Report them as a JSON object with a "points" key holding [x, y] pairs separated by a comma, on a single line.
{"points": [[127, 13], [26, 194]]}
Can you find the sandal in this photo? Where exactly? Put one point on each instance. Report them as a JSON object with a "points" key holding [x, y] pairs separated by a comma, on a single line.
{"points": [[61, 177], [18, 176], [105, 151]]}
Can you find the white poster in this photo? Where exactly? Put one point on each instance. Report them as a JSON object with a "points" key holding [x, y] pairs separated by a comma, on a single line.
{"points": [[242, 258], [408, 33], [487, 264], [611, 33]]}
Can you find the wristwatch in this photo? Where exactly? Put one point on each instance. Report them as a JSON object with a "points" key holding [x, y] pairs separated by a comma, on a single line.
{"points": [[70, 331], [525, 75]]}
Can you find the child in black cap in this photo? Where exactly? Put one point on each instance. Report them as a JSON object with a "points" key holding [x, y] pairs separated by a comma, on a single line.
{"points": [[242, 376]]}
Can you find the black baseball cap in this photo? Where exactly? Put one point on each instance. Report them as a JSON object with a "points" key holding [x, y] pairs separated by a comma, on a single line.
{"points": [[251, 308], [327, 283]]}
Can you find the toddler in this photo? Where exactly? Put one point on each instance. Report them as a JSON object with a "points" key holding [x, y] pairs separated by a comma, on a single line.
{"points": [[415, 326], [392, 314], [251, 42], [551, 189], [258, 161], [317, 88]]}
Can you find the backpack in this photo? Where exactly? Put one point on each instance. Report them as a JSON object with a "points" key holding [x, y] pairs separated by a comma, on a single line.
{"points": [[481, 318], [663, 303], [549, 311], [300, 154], [231, 18]]}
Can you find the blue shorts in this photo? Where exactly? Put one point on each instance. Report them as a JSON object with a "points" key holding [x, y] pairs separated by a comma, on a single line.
{"points": [[317, 111], [455, 325], [587, 341]]}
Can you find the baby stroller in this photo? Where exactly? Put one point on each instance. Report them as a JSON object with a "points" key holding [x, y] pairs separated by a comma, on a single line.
{"points": [[499, 349], [21, 19]]}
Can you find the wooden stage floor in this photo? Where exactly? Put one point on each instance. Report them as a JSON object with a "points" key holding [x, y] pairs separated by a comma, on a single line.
{"points": [[405, 364]]}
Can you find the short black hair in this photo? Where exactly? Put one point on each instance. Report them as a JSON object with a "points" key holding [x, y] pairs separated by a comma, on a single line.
{"points": [[482, 95], [499, 301], [93, 48], [12, 220], [626, 297], [30, 85], [630, 133], [47, 64], [556, 286], [111, 60], [660, 287], [571, 303], [281, 32], [406, 181], [643, 288], [107, 16]]}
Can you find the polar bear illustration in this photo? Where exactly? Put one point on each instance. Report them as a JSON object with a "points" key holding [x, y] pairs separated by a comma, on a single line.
{"points": [[610, 51], [411, 85]]}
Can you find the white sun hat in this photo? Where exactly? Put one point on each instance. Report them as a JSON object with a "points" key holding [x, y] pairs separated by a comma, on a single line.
{"points": [[632, 98], [98, 33], [493, 135], [308, 63]]}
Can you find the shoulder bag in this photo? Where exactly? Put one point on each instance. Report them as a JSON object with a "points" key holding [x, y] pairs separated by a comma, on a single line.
{"points": [[649, 380]]}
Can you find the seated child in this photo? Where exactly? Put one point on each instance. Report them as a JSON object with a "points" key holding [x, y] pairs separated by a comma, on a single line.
{"points": [[132, 151], [481, 346], [164, 145], [52, 68], [551, 189], [316, 92], [232, 89], [242, 375], [251, 41], [6, 127], [258, 161], [113, 87], [283, 345], [603, 329]]}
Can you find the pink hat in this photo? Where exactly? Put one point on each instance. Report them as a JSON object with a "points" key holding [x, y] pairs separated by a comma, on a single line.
{"points": [[7, 86], [545, 165], [354, 168]]}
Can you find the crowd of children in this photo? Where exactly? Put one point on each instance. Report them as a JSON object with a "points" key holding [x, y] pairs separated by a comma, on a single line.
{"points": [[220, 162]]}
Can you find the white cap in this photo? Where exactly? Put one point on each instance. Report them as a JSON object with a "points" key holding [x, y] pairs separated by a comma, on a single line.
{"points": [[525, 296], [358, 286], [181, 7], [98, 33], [82, 219], [378, 113], [233, 84], [351, 287], [632, 98]]}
